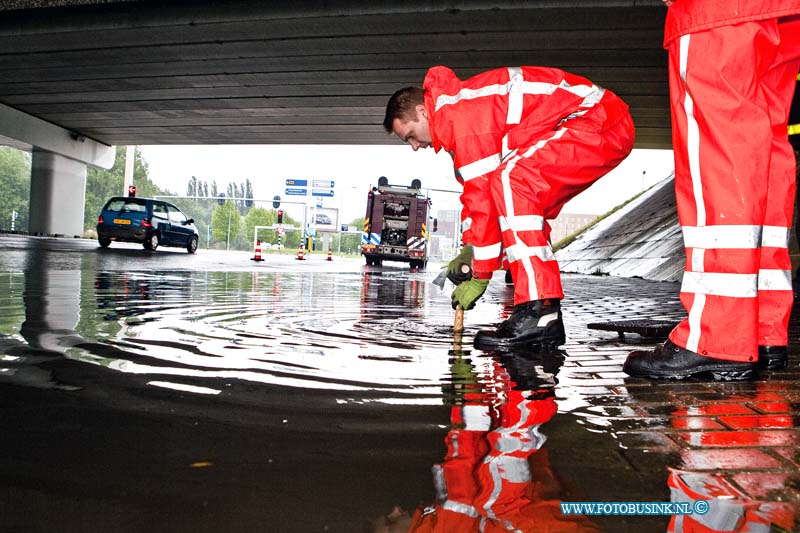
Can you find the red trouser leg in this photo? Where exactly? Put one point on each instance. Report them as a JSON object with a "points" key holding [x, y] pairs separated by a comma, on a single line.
{"points": [[733, 187], [535, 183], [775, 295]]}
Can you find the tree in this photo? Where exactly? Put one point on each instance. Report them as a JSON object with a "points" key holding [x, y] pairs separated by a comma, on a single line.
{"points": [[258, 216], [15, 184], [226, 225], [233, 192], [192, 189], [351, 242], [248, 194]]}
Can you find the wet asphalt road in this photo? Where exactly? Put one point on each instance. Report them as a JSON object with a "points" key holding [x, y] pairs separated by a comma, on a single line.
{"points": [[173, 392]]}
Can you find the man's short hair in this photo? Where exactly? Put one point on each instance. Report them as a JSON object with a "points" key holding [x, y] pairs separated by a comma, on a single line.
{"points": [[403, 105]]}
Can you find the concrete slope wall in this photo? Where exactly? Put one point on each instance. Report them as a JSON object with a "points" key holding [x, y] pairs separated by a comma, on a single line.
{"points": [[643, 239]]}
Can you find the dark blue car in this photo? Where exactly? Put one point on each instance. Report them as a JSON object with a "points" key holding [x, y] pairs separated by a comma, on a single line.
{"points": [[146, 221]]}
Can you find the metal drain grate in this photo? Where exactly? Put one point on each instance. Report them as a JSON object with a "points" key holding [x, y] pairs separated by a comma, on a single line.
{"points": [[645, 328]]}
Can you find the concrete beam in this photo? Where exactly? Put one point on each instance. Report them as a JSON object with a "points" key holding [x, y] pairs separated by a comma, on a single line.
{"points": [[29, 130]]}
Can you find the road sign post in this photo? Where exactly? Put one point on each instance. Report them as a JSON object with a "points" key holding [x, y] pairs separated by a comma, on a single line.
{"points": [[280, 230]]}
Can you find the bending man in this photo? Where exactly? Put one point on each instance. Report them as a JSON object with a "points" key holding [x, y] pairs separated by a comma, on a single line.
{"points": [[524, 141]]}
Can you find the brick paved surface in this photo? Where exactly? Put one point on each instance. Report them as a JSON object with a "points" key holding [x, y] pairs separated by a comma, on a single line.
{"points": [[742, 434]]}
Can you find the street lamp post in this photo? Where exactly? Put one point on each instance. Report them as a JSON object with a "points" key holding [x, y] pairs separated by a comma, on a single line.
{"points": [[228, 240]]}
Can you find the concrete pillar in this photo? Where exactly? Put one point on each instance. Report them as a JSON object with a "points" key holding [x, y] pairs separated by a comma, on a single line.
{"points": [[58, 195]]}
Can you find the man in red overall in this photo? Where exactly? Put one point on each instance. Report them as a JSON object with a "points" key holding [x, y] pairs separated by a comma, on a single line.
{"points": [[524, 141], [732, 68]]}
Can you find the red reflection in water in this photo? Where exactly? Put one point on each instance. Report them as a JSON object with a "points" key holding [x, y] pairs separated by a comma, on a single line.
{"points": [[495, 476], [730, 435]]}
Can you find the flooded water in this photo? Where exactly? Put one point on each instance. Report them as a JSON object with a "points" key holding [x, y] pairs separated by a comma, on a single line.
{"points": [[174, 393]]}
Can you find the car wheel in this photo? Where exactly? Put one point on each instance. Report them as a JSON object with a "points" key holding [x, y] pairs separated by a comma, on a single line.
{"points": [[105, 242], [152, 243], [192, 246]]}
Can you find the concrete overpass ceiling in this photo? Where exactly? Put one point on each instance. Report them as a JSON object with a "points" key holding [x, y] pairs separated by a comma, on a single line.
{"points": [[253, 72]]}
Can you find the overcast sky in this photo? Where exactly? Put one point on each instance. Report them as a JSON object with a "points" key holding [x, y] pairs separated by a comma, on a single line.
{"points": [[353, 169]]}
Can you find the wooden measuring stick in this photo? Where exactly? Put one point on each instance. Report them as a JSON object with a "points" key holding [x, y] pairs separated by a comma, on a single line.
{"points": [[458, 321]]}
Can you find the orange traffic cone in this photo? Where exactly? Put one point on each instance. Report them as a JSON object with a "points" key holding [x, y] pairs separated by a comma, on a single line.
{"points": [[330, 255], [300, 253], [257, 254]]}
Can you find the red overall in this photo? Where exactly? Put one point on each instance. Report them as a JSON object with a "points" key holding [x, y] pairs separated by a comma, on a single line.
{"points": [[485, 483], [732, 68], [524, 141]]}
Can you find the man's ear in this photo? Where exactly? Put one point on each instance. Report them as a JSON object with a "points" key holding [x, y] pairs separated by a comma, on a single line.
{"points": [[421, 111]]}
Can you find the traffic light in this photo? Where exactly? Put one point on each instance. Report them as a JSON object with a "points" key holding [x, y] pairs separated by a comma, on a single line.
{"points": [[221, 198], [276, 202], [131, 190], [280, 216]]}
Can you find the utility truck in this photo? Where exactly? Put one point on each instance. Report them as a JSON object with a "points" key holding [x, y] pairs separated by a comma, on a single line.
{"points": [[395, 225]]}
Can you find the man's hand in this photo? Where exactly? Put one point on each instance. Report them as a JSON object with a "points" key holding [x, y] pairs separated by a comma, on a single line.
{"points": [[459, 269], [468, 292]]}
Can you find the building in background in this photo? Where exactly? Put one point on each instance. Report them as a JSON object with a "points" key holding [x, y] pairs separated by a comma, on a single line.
{"points": [[566, 224], [445, 240]]}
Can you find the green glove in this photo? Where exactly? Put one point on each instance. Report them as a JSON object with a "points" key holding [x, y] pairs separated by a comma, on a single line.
{"points": [[468, 292], [459, 269]]}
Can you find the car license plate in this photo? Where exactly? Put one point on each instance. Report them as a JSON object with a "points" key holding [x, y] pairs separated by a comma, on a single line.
{"points": [[121, 221]]}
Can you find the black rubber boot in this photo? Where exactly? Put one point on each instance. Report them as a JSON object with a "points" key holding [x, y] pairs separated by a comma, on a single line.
{"points": [[535, 325], [772, 357], [670, 361]]}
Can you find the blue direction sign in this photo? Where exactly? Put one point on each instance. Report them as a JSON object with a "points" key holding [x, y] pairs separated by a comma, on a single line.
{"points": [[296, 191], [322, 192], [297, 183], [322, 184]]}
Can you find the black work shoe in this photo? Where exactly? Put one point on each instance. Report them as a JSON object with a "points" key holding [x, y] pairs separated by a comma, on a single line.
{"points": [[772, 357], [673, 362], [535, 325]]}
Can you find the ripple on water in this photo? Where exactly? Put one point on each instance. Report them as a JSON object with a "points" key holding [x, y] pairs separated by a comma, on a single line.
{"points": [[283, 329]]}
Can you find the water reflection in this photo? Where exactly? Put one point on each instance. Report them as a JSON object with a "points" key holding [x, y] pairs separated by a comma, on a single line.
{"points": [[40, 312], [496, 474], [729, 435], [199, 331], [729, 510]]}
